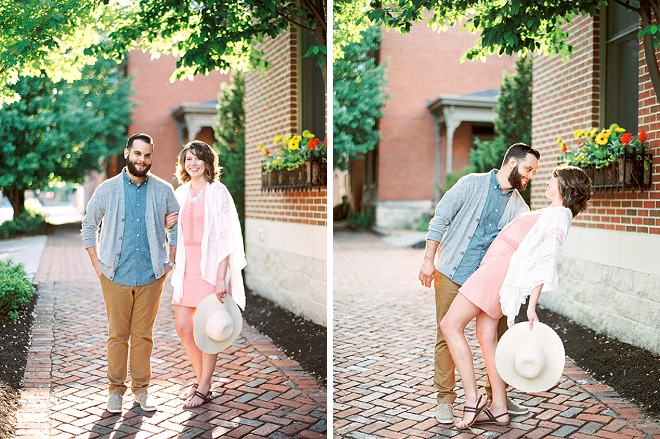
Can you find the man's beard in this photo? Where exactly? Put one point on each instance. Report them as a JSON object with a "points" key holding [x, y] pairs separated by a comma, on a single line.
{"points": [[515, 179], [134, 171]]}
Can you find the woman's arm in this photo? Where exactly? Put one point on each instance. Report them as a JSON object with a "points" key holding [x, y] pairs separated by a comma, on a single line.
{"points": [[531, 307], [220, 286]]}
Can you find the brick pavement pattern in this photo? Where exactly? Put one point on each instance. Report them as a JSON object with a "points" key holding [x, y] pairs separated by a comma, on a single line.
{"points": [[258, 392], [383, 339]]}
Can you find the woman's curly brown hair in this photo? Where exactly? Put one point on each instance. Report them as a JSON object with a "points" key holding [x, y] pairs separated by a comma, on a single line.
{"points": [[574, 187], [203, 152]]}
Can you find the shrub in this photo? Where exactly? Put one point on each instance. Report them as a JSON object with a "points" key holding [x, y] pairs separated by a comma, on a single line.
{"points": [[27, 223], [15, 289]]}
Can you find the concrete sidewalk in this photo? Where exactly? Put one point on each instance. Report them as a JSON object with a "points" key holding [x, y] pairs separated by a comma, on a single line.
{"points": [[257, 390], [383, 340]]}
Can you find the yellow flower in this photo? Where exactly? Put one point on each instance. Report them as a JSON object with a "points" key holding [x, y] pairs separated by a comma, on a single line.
{"points": [[277, 139], [590, 134], [307, 134], [559, 141], [603, 137], [260, 146], [617, 129], [286, 138], [281, 153], [294, 143], [578, 133]]}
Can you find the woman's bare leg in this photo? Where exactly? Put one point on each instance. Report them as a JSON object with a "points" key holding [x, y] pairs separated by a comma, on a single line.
{"points": [[487, 336], [184, 317], [460, 313]]}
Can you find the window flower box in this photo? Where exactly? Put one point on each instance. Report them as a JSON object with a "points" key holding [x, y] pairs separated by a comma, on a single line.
{"points": [[298, 163], [612, 158]]}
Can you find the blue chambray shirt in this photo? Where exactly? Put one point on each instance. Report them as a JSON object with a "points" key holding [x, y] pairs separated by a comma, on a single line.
{"points": [[486, 231], [134, 267]]}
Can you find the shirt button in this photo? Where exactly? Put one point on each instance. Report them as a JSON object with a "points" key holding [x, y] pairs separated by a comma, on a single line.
{"points": [[454, 268], [462, 253], [469, 237]]}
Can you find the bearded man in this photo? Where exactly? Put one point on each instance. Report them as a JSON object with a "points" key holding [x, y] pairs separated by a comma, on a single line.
{"points": [[137, 211], [467, 219]]}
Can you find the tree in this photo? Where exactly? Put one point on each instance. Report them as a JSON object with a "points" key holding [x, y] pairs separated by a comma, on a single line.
{"points": [[62, 35], [514, 118], [518, 26], [359, 96], [513, 122], [60, 131], [230, 134]]}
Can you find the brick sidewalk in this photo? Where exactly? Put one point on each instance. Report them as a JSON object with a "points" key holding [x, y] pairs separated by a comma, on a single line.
{"points": [[258, 391], [384, 333]]}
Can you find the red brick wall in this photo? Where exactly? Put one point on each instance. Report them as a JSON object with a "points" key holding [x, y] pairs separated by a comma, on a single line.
{"points": [[157, 97], [423, 65], [567, 97], [271, 108]]}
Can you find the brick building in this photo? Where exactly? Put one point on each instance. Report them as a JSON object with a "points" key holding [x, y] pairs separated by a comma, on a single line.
{"points": [[285, 230], [609, 270], [439, 106]]}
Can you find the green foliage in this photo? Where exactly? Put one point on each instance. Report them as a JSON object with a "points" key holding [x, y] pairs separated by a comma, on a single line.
{"points": [[61, 131], [28, 222], [360, 220], [514, 118], [349, 23], [62, 36], [15, 289], [359, 96], [453, 177], [230, 134]]}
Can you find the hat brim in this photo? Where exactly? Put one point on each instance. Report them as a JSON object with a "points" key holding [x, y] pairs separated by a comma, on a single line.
{"points": [[205, 309], [543, 337]]}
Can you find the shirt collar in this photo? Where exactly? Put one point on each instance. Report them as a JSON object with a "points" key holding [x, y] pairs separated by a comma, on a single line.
{"points": [[496, 184]]}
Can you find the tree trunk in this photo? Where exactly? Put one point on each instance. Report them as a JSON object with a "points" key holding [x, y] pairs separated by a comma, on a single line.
{"points": [[17, 200]]}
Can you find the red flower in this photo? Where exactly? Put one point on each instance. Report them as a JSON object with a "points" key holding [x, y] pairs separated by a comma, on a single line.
{"points": [[626, 138], [312, 144], [563, 148], [642, 136], [325, 141], [266, 152]]}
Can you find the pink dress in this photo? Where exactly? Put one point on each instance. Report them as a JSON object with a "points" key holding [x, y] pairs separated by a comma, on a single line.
{"points": [[192, 224], [483, 287]]}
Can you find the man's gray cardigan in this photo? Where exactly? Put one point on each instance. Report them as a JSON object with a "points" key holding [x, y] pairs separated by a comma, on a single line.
{"points": [[107, 206], [457, 216]]}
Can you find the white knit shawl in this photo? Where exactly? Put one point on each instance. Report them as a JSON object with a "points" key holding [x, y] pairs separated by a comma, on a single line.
{"points": [[535, 261]]}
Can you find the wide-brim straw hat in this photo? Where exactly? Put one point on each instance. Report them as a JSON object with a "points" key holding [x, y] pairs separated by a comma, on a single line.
{"points": [[531, 361], [217, 325]]}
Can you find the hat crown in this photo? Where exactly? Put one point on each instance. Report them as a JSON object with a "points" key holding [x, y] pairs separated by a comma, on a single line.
{"points": [[220, 325], [530, 360]]}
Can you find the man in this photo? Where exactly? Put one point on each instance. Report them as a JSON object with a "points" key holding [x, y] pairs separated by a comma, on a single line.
{"points": [[132, 264], [467, 220]]}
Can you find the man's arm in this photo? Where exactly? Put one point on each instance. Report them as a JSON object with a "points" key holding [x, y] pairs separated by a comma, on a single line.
{"points": [[94, 257], [427, 272]]}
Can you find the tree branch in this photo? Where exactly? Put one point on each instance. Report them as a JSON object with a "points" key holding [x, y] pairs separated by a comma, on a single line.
{"points": [[295, 23], [627, 6], [319, 17], [649, 51]]}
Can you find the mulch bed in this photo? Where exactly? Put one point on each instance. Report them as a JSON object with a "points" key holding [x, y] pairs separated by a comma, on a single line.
{"points": [[633, 372], [14, 345]]}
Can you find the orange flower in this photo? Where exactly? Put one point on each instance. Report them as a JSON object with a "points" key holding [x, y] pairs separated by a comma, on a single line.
{"points": [[642, 136], [563, 148], [312, 144], [325, 141], [626, 138]]}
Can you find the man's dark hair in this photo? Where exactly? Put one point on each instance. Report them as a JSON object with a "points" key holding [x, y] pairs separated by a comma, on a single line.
{"points": [[140, 136], [520, 151]]}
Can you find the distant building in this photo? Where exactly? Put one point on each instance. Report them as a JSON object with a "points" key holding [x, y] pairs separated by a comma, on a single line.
{"points": [[440, 106]]}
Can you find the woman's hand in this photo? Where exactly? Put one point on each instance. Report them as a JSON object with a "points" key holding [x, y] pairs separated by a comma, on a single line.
{"points": [[532, 317], [171, 219], [221, 292]]}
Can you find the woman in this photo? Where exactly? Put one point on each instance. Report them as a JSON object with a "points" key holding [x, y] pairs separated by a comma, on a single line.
{"points": [[520, 262], [209, 255]]}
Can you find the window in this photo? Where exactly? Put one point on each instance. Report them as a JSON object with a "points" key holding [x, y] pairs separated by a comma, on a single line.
{"points": [[621, 75], [312, 89]]}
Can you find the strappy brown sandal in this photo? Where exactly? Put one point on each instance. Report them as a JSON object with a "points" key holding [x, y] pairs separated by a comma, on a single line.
{"points": [[205, 398], [476, 410], [491, 419], [193, 386]]}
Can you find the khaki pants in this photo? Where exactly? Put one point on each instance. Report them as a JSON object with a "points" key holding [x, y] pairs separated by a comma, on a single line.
{"points": [[444, 379], [131, 314]]}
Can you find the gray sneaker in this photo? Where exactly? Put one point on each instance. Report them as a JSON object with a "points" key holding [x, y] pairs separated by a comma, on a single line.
{"points": [[444, 413], [146, 402], [514, 408], [115, 403]]}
